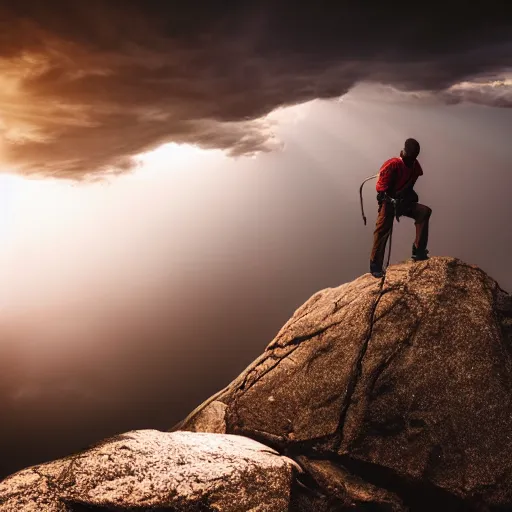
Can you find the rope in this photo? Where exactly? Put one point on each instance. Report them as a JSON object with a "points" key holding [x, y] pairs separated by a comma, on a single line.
{"points": [[361, 195], [390, 242]]}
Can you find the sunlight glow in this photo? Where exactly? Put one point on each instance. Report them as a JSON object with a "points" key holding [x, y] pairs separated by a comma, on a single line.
{"points": [[173, 156], [503, 82], [291, 114]]}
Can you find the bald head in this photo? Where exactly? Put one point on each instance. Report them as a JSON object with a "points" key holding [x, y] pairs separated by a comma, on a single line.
{"points": [[411, 149], [410, 152]]}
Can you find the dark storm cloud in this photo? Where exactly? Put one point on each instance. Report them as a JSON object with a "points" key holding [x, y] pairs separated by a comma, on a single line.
{"points": [[87, 85]]}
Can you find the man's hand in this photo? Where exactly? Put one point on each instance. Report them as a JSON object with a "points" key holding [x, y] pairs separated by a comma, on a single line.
{"points": [[383, 196]]}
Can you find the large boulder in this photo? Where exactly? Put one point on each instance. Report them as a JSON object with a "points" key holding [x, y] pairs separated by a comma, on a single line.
{"points": [[404, 382], [150, 470]]}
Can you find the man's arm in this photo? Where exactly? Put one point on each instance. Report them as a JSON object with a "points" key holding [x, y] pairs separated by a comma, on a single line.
{"points": [[418, 171]]}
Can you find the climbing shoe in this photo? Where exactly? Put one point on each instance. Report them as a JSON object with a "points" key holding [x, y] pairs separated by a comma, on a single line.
{"points": [[419, 255], [376, 270]]}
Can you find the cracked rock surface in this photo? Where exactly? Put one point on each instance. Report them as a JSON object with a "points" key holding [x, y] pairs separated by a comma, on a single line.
{"points": [[405, 380], [150, 470]]}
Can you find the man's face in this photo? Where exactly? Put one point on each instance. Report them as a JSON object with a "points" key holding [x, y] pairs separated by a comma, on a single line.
{"points": [[409, 154], [413, 155]]}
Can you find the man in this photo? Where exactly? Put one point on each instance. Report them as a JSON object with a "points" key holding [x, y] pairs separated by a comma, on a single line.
{"points": [[396, 197]]}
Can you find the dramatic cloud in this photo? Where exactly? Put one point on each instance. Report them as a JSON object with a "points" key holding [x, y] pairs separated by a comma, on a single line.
{"points": [[86, 86]]}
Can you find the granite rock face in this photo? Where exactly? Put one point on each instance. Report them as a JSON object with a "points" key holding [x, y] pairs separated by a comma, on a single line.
{"points": [[150, 470], [405, 382]]}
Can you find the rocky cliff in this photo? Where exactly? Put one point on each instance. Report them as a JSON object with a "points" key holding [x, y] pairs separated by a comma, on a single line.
{"points": [[404, 383], [385, 394]]}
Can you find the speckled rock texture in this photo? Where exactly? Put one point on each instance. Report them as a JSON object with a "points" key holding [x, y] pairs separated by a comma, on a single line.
{"points": [[404, 382], [148, 470]]}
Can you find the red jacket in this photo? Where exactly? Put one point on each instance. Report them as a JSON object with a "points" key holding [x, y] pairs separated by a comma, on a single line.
{"points": [[394, 174]]}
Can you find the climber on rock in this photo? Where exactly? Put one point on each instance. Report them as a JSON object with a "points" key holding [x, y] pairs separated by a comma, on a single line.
{"points": [[396, 197]]}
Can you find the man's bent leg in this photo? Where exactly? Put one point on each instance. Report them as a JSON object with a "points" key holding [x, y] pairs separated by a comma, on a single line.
{"points": [[421, 215], [383, 227]]}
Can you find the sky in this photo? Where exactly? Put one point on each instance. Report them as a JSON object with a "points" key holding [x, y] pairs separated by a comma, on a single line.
{"points": [[175, 183]]}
